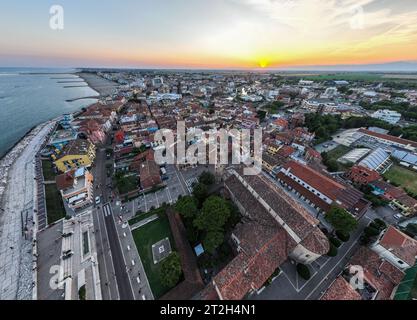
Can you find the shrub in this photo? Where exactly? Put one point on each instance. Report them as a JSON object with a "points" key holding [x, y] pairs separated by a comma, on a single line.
{"points": [[332, 251], [336, 242], [372, 232], [365, 240], [343, 236], [171, 270], [380, 224], [303, 271]]}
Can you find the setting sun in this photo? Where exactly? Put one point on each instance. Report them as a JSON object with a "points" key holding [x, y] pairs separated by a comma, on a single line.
{"points": [[263, 63]]}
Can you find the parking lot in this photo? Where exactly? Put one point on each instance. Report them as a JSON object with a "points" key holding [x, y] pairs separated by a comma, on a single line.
{"points": [[326, 146], [179, 182]]}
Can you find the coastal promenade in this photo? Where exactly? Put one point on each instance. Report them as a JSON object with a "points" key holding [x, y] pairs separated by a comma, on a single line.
{"points": [[17, 220]]}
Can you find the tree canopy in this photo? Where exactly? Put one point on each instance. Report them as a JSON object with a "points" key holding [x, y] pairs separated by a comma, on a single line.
{"points": [[200, 192], [341, 220], [214, 215], [171, 270], [207, 178], [213, 240], [187, 207]]}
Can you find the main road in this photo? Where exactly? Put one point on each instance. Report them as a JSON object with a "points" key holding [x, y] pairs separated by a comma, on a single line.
{"points": [[113, 271]]}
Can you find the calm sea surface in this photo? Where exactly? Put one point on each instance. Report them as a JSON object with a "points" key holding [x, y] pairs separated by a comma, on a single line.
{"points": [[28, 99]]}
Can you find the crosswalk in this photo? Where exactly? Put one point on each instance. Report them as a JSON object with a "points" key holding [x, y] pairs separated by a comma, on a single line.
{"points": [[190, 184], [107, 210]]}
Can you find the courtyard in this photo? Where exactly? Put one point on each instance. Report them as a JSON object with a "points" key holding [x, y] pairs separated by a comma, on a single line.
{"points": [[145, 238]]}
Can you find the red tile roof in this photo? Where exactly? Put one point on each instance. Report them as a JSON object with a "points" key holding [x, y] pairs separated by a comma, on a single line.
{"points": [[345, 196], [285, 151], [340, 289], [400, 244], [149, 174], [389, 137], [264, 242], [65, 181], [362, 175], [380, 274], [318, 181]]}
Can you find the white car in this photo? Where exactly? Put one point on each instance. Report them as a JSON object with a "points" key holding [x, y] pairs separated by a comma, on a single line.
{"points": [[98, 200], [398, 216]]}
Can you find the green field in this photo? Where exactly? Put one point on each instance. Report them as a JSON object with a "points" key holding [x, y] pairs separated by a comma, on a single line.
{"points": [[348, 76], [402, 177], [338, 152], [144, 238], [54, 205], [359, 76], [330, 159], [48, 170]]}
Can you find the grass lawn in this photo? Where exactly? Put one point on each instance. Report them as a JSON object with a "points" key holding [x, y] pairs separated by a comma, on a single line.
{"points": [[338, 152], [144, 238], [142, 216], [48, 170], [127, 184], [403, 177], [54, 205], [349, 76]]}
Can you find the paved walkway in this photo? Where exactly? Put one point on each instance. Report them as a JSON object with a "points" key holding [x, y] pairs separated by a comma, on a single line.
{"points": [[17, 192], [144, 222], [135, 270]]}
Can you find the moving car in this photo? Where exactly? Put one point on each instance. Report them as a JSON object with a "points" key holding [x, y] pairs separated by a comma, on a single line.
{"points": [[98, 200]]}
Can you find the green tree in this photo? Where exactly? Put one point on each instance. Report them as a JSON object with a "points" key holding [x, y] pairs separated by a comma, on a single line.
{"points": [[187, 207], [214, 215], [207, 178], [341, 220], [213, 240], [171, 270], [332, 165], [411, 229], [200, 192]]}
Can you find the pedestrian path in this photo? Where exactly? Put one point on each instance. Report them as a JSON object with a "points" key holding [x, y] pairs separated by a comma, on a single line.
{"points": [[144, 222]]}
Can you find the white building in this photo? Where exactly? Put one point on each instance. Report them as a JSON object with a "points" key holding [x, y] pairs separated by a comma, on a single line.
{"points": [[389, 116], [397, 248]]}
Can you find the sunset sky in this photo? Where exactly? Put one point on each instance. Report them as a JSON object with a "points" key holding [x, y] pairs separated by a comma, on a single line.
{"points": [[208, 34]]}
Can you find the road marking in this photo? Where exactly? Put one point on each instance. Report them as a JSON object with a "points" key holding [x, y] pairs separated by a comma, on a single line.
{"points": [[337, 264], [168, 194], [146, 203], [104, 258], [107, 211], [285, 275], [123, 255], [179, 180]]}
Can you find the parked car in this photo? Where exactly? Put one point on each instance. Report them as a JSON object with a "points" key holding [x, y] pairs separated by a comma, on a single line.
{"points": [[398, 216]]}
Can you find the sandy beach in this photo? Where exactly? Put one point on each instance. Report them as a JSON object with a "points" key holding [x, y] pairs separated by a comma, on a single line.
{"points": [[103, 86]]}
